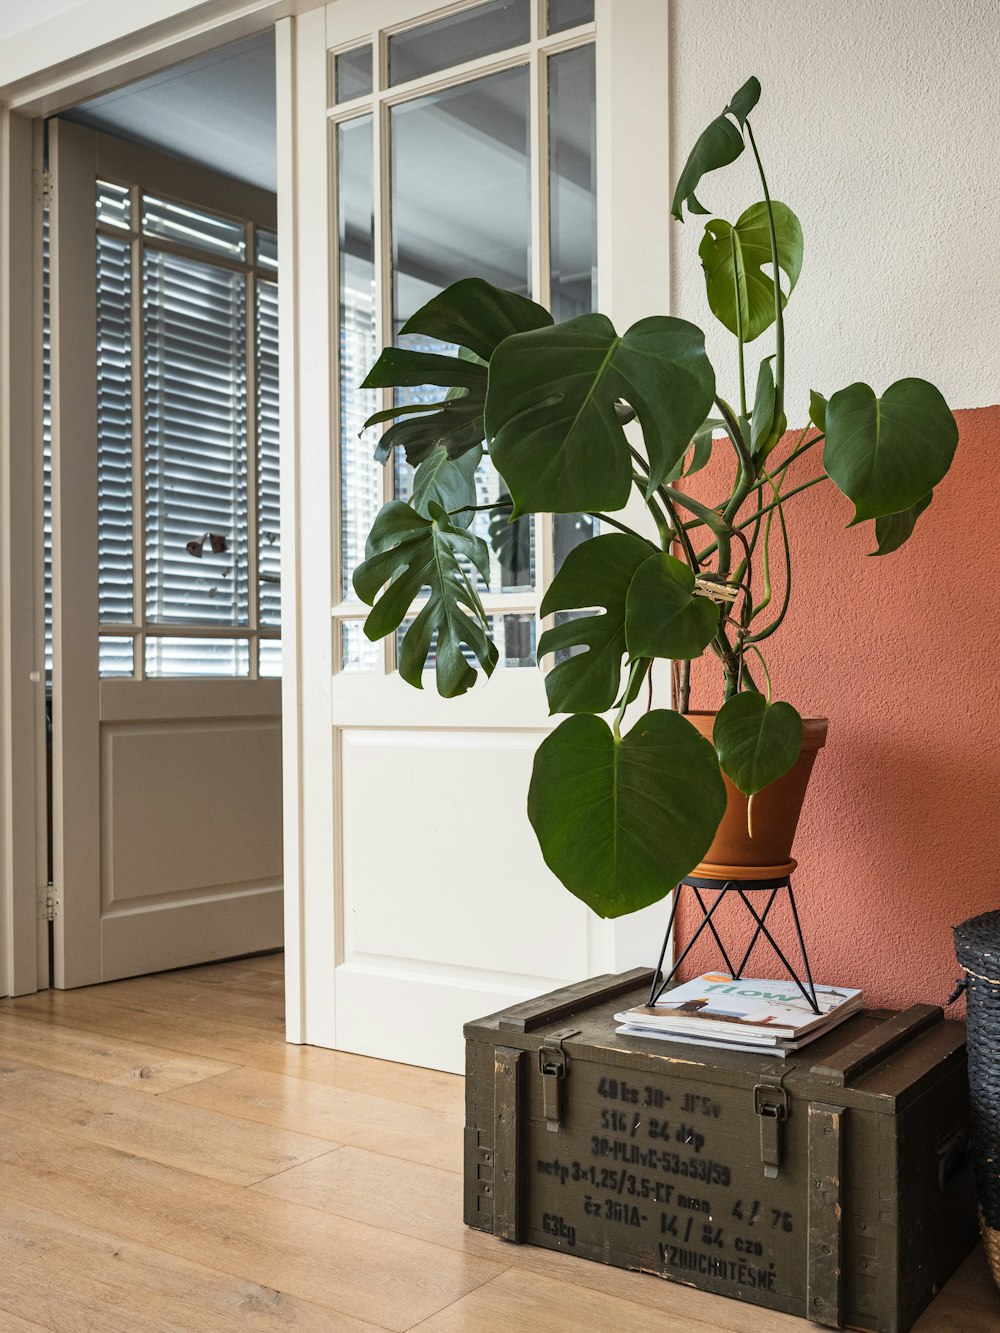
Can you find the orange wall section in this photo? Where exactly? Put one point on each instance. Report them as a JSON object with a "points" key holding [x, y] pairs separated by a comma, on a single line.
{"points": [[900, 836]]}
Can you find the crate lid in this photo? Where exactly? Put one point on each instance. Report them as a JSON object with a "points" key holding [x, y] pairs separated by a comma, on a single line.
{"points": [[880, 1059]]}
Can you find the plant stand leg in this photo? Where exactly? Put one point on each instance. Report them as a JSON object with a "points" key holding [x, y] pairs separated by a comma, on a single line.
{"points": [[705, 922]]}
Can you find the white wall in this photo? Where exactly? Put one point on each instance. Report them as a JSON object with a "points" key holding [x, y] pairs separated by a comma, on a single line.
{"points": [[879, 126]]}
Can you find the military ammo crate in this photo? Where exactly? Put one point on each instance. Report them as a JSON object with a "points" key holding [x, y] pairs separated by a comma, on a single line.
{"points": [[832, 1184]]}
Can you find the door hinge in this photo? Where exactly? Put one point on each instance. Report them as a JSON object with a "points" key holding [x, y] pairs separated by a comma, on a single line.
{"points": [[49, 903], [44, 188]]}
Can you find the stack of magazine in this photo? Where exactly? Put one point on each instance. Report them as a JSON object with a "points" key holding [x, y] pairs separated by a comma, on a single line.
{"points": [[767, 1017]]}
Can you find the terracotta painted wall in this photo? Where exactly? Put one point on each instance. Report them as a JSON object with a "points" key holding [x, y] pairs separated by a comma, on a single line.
{"points": [[900, 837]]}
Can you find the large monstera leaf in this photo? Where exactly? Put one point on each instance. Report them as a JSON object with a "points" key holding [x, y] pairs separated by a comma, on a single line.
{"points": [[475, 316], [718, 144], [621, 821], [454, 423], [664, 617], [473, 313], [448, 482], [551, 420], [740, 292], [410, 553], [887, 453], [595, 574]]}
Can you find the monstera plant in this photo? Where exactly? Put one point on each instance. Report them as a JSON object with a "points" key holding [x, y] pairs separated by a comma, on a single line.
{"points": [[576, 417]]}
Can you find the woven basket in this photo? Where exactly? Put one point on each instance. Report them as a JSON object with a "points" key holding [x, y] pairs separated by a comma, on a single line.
{"points": [[977, 944]]}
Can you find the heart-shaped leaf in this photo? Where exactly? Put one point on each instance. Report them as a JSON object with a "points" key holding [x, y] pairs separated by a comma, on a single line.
{"points": [[664, 617], [411, 553], [886, 453], [718, 144], [762, 433], [700, 451], [475, 316], [703, 440], [892, 530], [756, 741], [596, 573], [817, 410], [551, 417], [620, 822], [447, 482], [740, 292]]}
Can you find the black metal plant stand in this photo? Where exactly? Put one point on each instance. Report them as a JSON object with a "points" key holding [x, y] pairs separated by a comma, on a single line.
{"points": [[741, 887]]}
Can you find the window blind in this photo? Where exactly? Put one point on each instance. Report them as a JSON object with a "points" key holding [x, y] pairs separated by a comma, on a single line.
{"points": [[194, 387], [47, 439], [268, 488], [116, 596], [198, 345]]}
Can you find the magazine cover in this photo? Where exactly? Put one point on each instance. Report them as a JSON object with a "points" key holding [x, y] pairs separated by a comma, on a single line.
{"points": [[714, 1000]]}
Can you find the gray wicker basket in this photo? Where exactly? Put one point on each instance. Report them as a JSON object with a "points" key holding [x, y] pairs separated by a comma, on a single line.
{"points": [[977, 945]]}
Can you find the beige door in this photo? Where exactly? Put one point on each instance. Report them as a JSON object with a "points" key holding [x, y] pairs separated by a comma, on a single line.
{"points": [[166, 651]]}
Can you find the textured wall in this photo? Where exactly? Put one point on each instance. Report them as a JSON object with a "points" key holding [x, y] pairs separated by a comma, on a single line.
{"points": [[877, 125], [900, 836]]}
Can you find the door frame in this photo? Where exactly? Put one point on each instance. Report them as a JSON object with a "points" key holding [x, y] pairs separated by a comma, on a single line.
{"points": [[45, 70], [22, 693]]}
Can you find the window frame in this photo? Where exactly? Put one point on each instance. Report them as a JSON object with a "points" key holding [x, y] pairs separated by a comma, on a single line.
{"points": [[141, 629]]}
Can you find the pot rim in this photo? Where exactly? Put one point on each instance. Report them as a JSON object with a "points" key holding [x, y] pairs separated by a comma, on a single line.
{"points": [[814, 729]]}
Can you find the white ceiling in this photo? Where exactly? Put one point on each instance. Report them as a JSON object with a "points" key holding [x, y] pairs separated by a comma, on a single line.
{"points": [[217, 110], [19, 15]]}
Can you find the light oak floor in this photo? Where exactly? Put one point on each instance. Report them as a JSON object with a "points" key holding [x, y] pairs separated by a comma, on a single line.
{"points": [[168, 1162]]}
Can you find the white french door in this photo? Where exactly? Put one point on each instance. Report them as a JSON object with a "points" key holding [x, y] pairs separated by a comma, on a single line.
{"points": [[166, 644], [474, 140]]}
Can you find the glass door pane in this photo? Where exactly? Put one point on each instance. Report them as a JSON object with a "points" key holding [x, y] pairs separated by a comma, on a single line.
{"points": [[360, 475], [572, 221], [461, 207], [194, 405]]}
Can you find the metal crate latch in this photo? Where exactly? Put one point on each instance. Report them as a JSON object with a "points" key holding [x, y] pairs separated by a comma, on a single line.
{"points": [[770, 1101], [553, 1064]]}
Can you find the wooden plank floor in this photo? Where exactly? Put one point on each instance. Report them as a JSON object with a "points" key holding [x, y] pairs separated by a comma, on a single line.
{"points": [[168, 1162]]}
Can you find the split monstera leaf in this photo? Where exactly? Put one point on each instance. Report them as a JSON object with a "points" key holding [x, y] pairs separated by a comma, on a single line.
{"points": [[578, 418]]}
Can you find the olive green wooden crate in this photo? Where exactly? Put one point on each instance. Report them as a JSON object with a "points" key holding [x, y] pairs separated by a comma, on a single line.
{"points": [[833, 1184]]}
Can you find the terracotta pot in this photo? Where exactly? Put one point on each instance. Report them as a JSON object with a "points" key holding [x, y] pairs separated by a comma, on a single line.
{"points": [[768, 854]]}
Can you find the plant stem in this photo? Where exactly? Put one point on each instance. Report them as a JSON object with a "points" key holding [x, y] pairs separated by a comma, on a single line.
{"points": [[763, 666], [680, 670], [779, 325], [754, 518], [494, 504], [681, 531], [739, 325], [736, 436], [635, 671], [663, 523], [803, 486], [675, 528], [786, 596], [614, 523]]}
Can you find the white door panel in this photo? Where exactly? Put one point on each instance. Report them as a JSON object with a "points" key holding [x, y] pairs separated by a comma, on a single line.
{"points": [[166, 791], [443, 906]]}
